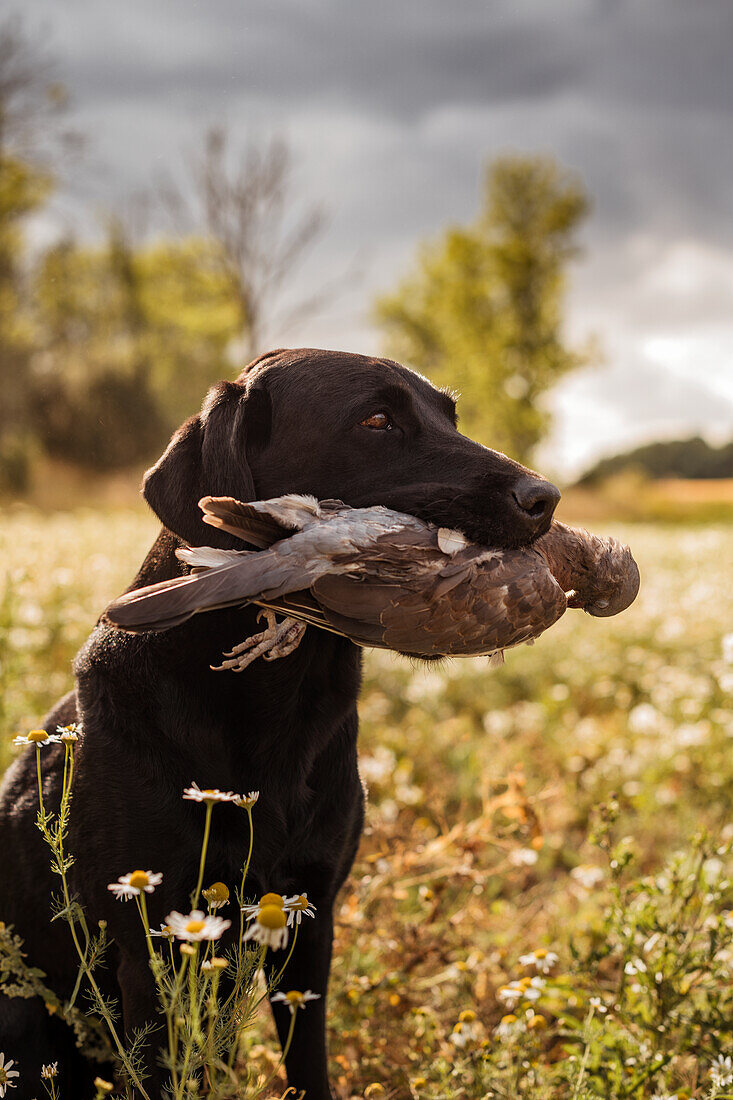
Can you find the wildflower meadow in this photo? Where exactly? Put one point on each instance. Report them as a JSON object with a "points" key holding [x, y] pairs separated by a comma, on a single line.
{"points": [[542, 906]]}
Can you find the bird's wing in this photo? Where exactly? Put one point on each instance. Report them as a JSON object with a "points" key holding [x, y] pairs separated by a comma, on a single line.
{"points": [[260, 522], [483, 603], [250, 574]]}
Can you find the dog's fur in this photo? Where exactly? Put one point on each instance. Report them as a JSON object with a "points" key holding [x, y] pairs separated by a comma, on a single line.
{"points": [[155, 717]]}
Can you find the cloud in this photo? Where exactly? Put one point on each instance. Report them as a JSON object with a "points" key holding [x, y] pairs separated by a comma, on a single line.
{"points": [[393, 110]]}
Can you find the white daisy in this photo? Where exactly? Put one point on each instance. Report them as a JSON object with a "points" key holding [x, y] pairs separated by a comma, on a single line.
{"points": [[268, 926], [50, 1070], [209, 794], [69, 734], [542, 960], [215, 963], [522, 990], [295, 1000], [508, 1027], [196, 926], [298, 907], [587, 875], [130, 886], [6, 1072], [164, 931], [217, 895], [39, 738], [721, 1071], [251, 911], [247, 801]]}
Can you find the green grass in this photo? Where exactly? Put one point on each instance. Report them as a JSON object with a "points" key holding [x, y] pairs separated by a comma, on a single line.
{"points": [[484, 788]]}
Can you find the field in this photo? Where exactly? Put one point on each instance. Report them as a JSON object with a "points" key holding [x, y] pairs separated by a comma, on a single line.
{"points": [[575, 804]]}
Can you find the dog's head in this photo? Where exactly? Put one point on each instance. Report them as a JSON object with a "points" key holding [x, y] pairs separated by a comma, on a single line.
{"points": [[366, 431]]}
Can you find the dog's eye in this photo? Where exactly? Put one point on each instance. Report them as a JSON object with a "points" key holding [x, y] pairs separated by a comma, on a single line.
{"points": [[378, 422]]}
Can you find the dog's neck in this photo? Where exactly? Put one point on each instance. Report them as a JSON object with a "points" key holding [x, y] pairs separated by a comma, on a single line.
{"points": [[320, 681]]}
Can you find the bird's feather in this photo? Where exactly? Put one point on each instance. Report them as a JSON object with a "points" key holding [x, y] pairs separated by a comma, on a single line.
{"points": [[261, 523]]}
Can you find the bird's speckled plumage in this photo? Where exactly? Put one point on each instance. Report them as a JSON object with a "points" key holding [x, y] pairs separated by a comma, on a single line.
{"points": [[387, 579]]}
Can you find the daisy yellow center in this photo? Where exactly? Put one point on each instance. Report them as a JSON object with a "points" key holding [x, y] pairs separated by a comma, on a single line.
{"points": [[272, 917], [540, 953], [38, 736], [218, 892], [139, 880], [510, 1018], [3, 1076], [294, 997], [300, 902], [272, 899], [195, 926], [209, 791]]}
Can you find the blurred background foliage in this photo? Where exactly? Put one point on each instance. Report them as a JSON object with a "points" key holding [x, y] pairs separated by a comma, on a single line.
{"points": [[485, 787], [483, 310], [106, 347]]}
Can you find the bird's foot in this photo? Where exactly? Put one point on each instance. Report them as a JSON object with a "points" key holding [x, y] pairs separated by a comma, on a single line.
{"points": [[279, 640]]}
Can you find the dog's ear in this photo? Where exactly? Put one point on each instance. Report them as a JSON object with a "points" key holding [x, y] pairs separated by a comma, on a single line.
{"points": [[208, 456]]}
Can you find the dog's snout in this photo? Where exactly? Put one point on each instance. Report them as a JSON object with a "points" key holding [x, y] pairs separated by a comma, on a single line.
{"points": [[536, 500]]}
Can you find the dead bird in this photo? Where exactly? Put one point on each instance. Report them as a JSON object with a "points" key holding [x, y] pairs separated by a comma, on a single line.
{"points": [[382, 578]]}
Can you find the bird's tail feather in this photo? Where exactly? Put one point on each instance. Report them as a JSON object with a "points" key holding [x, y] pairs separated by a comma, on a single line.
{"points": [[168, 603], [260, 522]]}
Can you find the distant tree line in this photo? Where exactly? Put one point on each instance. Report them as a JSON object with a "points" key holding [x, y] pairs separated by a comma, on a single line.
{"points": [[106, 347], [680, 458]]}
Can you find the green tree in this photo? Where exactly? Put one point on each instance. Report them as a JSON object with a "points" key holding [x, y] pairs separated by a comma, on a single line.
{"points": [[130, 337], [24, 185], [482, 311]]}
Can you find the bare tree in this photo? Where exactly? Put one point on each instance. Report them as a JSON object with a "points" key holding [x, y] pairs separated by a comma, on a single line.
{"points": [[30, 97], [245, 205]]}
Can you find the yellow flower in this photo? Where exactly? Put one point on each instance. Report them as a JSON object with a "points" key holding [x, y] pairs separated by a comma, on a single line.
{"points": [[39, 738], [247, 801], [295, 999], [209, 794], [6, 1072], [217, 895], [298, 907], [216, 963], [267, 899], [130, 886], [69, 734], [268, 926], [196, 926]]}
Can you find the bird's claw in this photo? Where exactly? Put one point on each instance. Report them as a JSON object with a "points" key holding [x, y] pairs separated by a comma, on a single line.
{"points": [[278, 640]]}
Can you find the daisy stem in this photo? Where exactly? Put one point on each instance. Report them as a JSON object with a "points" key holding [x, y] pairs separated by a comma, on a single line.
{"points": [[586, 1055], [241, 888], [56, 844], [193, 1034], [40, 784], [142, 909], [202, 861], [281, 971], [171, 1013]]}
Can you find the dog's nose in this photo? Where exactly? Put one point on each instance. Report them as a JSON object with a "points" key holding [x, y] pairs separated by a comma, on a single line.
{"points": [[536, 500]]}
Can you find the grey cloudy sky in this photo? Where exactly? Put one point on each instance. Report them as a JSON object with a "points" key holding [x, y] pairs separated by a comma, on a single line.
{"points": [[392, 109]]}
